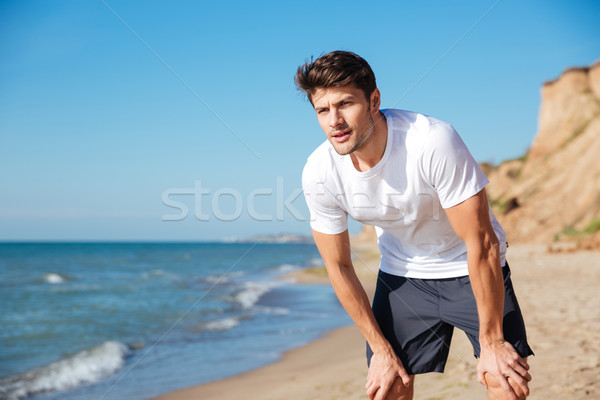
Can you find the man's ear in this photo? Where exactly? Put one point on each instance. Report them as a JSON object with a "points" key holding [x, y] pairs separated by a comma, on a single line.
{"points": [[375, 101]]}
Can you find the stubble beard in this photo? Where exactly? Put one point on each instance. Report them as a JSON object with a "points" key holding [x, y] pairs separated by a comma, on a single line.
{"points": [[360, 140]]}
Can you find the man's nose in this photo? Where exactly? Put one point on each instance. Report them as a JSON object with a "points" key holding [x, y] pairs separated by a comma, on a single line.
{"points": [[335, 118]]}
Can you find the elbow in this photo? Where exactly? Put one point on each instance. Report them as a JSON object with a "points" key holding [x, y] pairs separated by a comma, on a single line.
{"points": [[491, 247], [337, 267], [485, 247]]}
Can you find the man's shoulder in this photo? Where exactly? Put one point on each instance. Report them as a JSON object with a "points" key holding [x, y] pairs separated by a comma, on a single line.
{"points": [[411, 120], [415, 130]]}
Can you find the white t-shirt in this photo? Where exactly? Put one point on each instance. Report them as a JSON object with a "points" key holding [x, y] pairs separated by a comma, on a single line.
{"points": [[425, 168]]}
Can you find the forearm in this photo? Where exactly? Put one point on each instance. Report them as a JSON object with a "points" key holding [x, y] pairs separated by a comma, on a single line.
{"points": [[488, 287], [471, 222], [353, 298]]}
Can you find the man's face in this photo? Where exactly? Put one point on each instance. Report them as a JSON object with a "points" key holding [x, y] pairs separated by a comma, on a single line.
{"points": [[345, 116]]}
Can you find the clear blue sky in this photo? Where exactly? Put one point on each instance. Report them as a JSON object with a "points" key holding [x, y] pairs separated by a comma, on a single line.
{"points": [[105, 106]]}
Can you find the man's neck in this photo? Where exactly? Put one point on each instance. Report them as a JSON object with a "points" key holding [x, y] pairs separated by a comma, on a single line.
{"points": [[372, 152]]}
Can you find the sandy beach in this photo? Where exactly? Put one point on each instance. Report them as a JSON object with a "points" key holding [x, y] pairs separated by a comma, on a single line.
{"points": [[558, 293]]}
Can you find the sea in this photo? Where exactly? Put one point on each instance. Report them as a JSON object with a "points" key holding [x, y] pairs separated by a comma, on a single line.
{"points": [[136, 320]]}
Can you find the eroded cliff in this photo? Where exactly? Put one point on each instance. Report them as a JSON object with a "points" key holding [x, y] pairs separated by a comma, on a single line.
{"points": [[552, 194]]}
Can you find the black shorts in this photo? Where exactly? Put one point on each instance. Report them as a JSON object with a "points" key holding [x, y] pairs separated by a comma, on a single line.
{"points": [[418, 316]]}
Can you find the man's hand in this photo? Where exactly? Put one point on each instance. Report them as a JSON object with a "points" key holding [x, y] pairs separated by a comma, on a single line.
{"points": [[383, 371], [502, 361]]}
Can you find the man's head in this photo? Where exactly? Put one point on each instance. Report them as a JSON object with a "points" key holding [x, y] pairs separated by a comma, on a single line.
{"points": [[341, 87]]}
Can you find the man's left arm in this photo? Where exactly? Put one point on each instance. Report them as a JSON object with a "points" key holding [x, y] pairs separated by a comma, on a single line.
{"points": [[471, 222]]}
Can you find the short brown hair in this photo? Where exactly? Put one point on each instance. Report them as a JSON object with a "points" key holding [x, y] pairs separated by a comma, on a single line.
{"points": [[335, 69]]}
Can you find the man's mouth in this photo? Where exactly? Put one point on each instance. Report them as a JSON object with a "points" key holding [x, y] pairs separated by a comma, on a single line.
{"points": [[341, 136]]}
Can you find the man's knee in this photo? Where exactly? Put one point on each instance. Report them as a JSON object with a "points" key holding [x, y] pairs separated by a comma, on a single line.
{"points": [[496, 392], [399, 391]]}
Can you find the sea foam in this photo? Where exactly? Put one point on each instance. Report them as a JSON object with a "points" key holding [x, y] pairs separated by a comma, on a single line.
{"points": [[286, 268], [86, 366], [252, 292], [54, 278], [222, 324], [223, 277]]}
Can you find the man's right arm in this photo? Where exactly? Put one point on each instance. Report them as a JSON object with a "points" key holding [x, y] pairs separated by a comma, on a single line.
{"points": [[385, 365]]}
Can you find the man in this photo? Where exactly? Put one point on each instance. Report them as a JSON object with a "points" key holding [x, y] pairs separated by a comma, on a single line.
{"points": [[442, 250]]}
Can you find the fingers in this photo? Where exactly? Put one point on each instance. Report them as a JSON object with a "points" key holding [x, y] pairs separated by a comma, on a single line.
{"points": [[523, 362], [518, 373], [382, 378], [406, 379], [371, 388], [481, 378], [376, 391], [505, 388], [372, 395], [382, 392], [519, 381], [519, 368], [525, 368], [521, 394]]}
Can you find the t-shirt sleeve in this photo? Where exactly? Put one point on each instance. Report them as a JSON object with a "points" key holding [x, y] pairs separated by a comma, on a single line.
{"points": [[326, 216], [449, 167]]}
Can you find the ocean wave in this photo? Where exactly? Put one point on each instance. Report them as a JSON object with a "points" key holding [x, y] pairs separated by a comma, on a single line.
{"points": [[221, 324], [252, 291], [54, 278], [86, 366], [158, 273], [223, 277], [273, 310], [286, 268]]}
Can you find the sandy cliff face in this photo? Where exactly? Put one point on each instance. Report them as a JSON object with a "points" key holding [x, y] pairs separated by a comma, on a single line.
{"points": [[557, 184]]}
